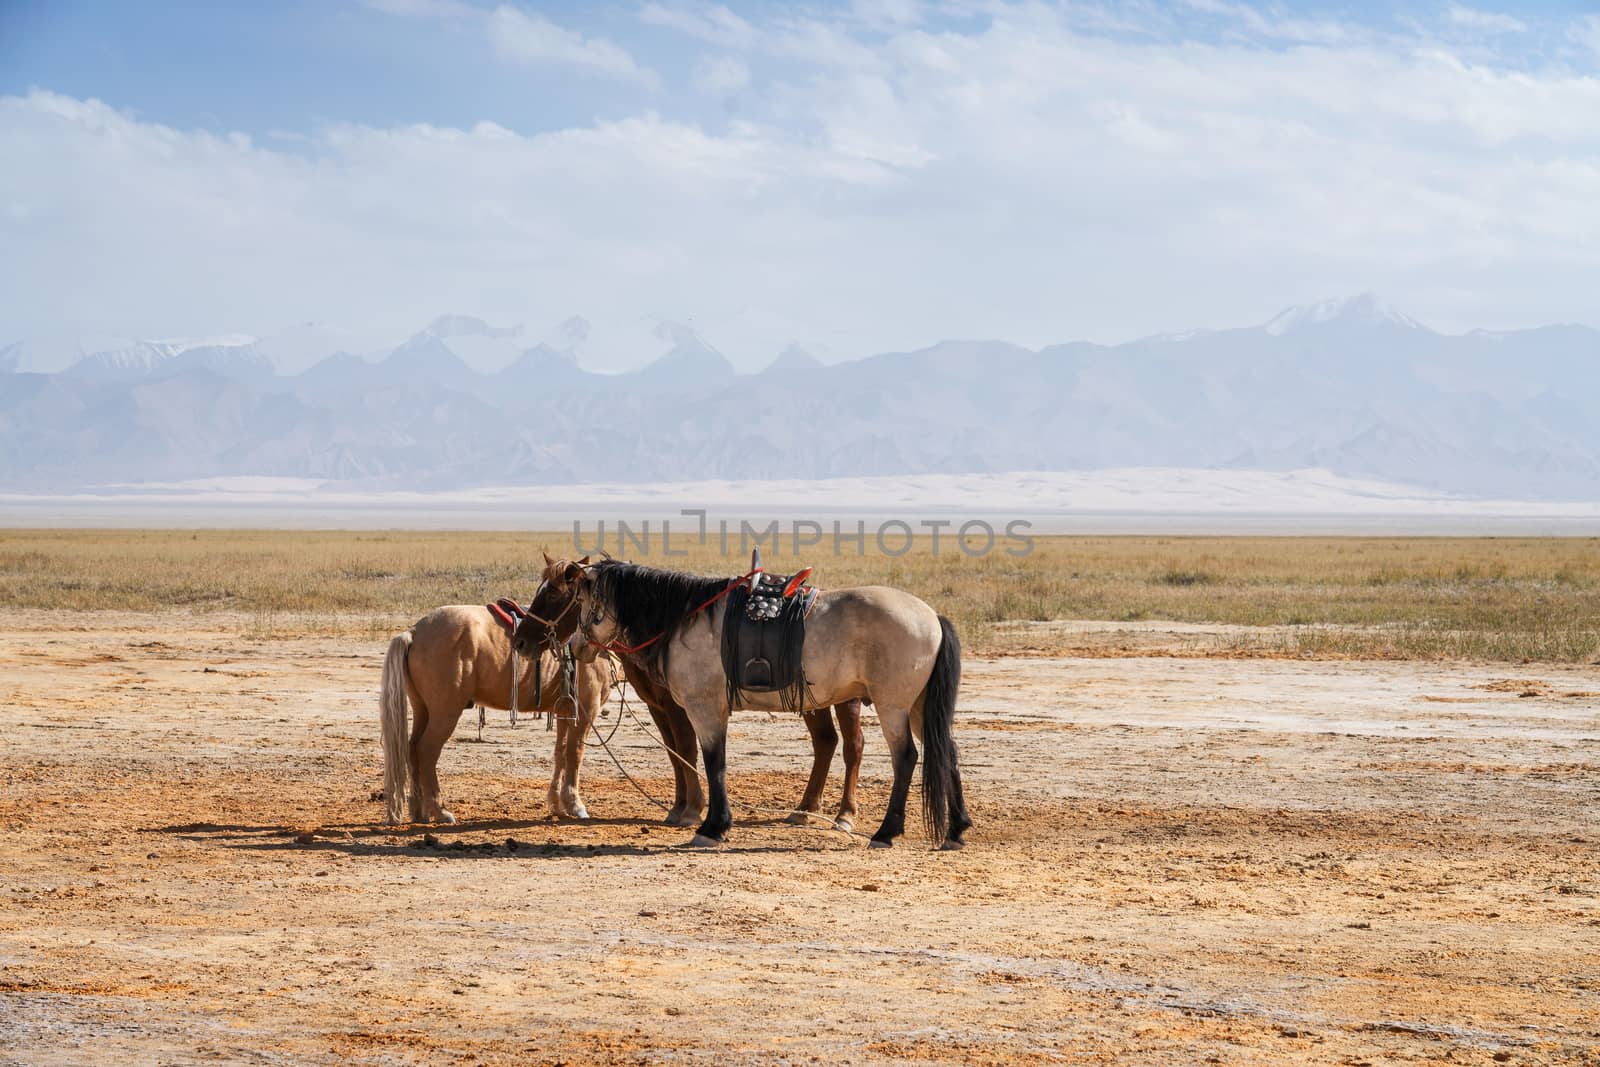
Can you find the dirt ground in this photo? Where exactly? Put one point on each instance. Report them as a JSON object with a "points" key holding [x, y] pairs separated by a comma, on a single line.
{"points": [[1178, 859]]}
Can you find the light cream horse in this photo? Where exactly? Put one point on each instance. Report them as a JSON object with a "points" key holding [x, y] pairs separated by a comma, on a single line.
{"points": [[458, 656], [868, 643]]}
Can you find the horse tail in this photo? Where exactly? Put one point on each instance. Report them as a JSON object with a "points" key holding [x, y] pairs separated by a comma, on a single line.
{"points": [[392, 717], [940, 781]]}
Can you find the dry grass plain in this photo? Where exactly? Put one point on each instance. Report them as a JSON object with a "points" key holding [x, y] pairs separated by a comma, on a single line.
{"points": [[1253, 801], [1487, 598]]}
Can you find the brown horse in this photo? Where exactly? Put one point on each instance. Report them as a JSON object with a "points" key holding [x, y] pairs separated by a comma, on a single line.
{"points": [[553, 618], [458, 656]]}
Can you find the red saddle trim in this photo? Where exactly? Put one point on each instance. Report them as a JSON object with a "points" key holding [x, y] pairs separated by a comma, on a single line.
{"points": [[796, 582], [502, 616]]}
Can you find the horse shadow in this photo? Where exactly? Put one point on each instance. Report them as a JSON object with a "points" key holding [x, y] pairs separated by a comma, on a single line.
{"points": [[450, 840]]}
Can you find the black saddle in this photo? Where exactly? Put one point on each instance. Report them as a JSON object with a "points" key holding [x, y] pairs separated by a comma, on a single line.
{"points": [[764, 635]]}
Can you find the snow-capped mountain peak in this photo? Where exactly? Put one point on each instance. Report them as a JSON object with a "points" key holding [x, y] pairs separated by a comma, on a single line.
{"points": [[570, 335], [446, 327], [232, 355], [1362, 309], [681, 336], [177, 346]]}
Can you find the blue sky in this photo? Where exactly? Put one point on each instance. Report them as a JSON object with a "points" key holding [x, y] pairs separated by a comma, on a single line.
{"points": [[854, 177], [297, 65]]}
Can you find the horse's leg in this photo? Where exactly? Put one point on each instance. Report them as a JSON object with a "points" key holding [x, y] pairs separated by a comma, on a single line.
{"points": [[824, 739], [419, 728], [849, 715], [686, 757], [676, 733], [711, 727], [677, 736], [592, 690], [426, 748], [558, 765], [896, 724], [663, 722]]}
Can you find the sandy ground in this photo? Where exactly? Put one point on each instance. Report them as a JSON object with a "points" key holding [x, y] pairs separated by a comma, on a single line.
{"points": [[1177, 860]]}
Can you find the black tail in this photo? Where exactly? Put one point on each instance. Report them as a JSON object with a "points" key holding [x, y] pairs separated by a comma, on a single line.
{"points": [[941, 779]]}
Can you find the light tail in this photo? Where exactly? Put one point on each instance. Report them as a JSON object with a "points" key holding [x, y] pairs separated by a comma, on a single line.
{"points": [[392, 719]]}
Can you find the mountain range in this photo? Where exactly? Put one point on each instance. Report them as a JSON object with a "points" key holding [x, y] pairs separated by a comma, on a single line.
{"points": [[1350, 386]]}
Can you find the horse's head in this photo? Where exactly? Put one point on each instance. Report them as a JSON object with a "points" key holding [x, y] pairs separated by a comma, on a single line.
{"points": [[597, 623], [553, 615]]}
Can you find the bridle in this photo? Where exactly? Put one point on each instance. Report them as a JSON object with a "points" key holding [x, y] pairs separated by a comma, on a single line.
{"points": [[552, 625], [597, 615]]}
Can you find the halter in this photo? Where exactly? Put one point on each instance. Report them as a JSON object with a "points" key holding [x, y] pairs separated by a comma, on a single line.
{"points": [[549, 642], [571, 602]]}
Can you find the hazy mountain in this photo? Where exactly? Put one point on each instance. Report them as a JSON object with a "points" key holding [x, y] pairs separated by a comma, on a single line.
{"points": [[336, 376], [234, 356], [475, 342], [688, 365], [306, 344], [1351, 386], [794, 360]]}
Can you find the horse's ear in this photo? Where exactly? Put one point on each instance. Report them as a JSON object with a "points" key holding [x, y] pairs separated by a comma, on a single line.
{"points": [[547, 559], [584, 562]]}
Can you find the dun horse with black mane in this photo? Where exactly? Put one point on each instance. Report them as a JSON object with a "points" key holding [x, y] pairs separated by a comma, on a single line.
{"points": [[871, 643], [552, 618]]}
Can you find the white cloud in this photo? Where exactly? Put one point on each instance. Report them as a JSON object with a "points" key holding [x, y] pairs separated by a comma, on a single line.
{"points": [[534, 39], [712, 23], [421, 9], [887, 14], [1586, 31], [1031, 181], [721, 74], [1271, 24], [1486, 21]]}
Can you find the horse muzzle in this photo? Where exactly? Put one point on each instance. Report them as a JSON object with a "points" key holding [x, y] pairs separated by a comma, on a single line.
{"points": [[580, 647]]}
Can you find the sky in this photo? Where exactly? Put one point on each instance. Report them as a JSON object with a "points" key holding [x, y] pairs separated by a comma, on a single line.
{"points": [[855, 177]]}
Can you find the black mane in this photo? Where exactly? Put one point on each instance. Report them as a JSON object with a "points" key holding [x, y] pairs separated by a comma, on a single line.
{"points": [[647, 601]]}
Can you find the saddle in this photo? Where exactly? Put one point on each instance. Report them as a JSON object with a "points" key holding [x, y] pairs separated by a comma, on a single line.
{"points": [[507, 613], [764, 635]]}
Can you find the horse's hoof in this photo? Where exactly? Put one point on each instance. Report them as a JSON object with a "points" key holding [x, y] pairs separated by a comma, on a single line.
{"points": [[682, 818], [580, 812], [952, 844], [844, 824], [878, 843], [798, 818], [702, 841], [446, 817]]}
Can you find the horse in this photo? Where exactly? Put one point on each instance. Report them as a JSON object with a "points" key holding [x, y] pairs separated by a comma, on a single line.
{"points": [[870, 643], [456, 656], [552, 619]]}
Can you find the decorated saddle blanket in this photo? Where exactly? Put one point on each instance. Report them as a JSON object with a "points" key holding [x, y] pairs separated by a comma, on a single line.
{"points": [[764, 635]]}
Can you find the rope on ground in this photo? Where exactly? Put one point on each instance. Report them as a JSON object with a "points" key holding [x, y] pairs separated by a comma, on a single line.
{"points": [[757, 809], [606, 745]]}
